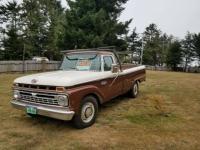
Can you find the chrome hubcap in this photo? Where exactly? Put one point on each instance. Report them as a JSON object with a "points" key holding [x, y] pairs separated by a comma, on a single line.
{"points": [[135, 89], [87, 112]]}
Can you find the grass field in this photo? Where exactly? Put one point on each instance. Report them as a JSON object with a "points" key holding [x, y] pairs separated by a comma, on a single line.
{"points": [[166, 115]]}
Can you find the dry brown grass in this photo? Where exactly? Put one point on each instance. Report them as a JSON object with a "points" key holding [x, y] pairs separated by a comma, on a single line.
{"points": [[122, 123]]}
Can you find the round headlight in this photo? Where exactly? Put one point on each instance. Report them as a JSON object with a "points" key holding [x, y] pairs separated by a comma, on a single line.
{"points": [[16, 94], [15, 84], [62, 100]]}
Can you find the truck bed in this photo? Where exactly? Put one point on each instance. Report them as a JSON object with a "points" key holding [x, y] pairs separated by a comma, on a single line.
{"points": [[128, 66]]}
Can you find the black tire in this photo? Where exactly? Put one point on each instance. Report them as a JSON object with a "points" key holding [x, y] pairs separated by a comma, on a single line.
{"points": [[134, 90], [87, 113], [31, 115]]}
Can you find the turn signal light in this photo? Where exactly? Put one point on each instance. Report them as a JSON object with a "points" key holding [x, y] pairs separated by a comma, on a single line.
{"points": [[60, 89]]}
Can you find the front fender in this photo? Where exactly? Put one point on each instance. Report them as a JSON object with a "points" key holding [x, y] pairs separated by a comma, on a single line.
{"points": [[78, 93]]}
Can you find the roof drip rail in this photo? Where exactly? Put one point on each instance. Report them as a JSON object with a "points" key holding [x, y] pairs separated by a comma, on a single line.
{"points": [[108, 48]]}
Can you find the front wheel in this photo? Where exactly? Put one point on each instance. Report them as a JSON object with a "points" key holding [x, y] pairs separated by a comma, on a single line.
{"points": [[87, 113]]}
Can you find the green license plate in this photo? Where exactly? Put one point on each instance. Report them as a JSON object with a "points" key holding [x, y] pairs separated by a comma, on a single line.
{"points": [[31, 110]]}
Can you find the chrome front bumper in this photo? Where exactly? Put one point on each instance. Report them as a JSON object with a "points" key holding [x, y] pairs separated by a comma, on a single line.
{"points": [[48, 111]]}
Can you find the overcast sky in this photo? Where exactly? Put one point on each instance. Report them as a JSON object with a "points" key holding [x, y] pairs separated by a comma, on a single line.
{"points": [[172, 16]]}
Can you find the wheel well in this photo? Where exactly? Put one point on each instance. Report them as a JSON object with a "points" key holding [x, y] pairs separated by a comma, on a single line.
{"points": [[137, 81], [98, 98]]}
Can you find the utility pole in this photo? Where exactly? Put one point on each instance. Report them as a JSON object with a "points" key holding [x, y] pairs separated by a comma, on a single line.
{"points": [[163, 50], [142, 51]]}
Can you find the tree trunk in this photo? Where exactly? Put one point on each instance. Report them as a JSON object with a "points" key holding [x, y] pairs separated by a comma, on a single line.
{"points": [[199, 66], [186, 64]]}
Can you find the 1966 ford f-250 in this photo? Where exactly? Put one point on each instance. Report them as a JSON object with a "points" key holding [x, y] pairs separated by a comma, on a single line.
{"points": [[86, 80]]}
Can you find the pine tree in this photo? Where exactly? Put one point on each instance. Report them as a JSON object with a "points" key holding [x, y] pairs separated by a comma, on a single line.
{"points": [[174, 55], [55, 30], [12, 42], [135, 45], [156, 46], [35, 27], [92, 23], [134, 41], [152, 50], [196, 41], [165, 42], [43, 27], [13, 45]]}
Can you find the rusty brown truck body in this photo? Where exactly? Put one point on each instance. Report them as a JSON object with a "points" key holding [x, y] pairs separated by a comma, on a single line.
{"points": [[85, 80]]}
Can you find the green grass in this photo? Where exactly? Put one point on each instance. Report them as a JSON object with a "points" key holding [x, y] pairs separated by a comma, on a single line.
{"points": [[147, 120], [166, 115]]}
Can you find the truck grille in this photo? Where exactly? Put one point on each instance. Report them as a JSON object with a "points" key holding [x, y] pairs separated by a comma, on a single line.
{"points": [[41, 98]]}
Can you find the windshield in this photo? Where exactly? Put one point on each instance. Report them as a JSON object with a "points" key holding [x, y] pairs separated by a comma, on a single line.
{"points": [[81, 62]]}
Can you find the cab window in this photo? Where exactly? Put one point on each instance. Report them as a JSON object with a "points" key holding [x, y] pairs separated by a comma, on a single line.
{"points": [[108, 61]]}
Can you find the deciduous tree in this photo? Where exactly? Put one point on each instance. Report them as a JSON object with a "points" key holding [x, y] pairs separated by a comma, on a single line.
{"points": [[188, 52]]}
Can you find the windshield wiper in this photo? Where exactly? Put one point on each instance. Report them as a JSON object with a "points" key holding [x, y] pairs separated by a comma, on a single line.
{"points": [[72, 68]]}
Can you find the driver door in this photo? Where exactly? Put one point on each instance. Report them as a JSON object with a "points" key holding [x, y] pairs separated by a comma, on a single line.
{"points": [[112, 85]]}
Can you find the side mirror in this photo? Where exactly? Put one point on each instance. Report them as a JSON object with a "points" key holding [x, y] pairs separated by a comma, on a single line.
{"points": [[115, 68]]}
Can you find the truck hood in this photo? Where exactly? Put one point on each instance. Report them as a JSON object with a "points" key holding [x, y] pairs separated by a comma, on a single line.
{"points": [[62, 78]]}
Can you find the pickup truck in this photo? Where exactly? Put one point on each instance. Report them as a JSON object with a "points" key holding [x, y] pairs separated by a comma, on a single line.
{"points": [[86, 79]]}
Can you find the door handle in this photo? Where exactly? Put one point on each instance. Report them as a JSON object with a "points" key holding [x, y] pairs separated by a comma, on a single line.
{"points": [[104, 82]]}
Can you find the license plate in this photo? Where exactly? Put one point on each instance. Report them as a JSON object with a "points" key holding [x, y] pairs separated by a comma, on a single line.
{"points": [[31, 110]]}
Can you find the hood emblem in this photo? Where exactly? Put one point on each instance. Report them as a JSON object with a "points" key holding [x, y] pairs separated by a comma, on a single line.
{"points": [[34, 81]]}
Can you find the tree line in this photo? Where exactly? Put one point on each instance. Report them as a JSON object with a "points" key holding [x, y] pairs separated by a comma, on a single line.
{"points": [[161, 49], [44, 28]]}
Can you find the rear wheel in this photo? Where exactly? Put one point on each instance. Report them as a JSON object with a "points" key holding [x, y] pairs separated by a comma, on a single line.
{"points": [[87, 113], [134, 90]]}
